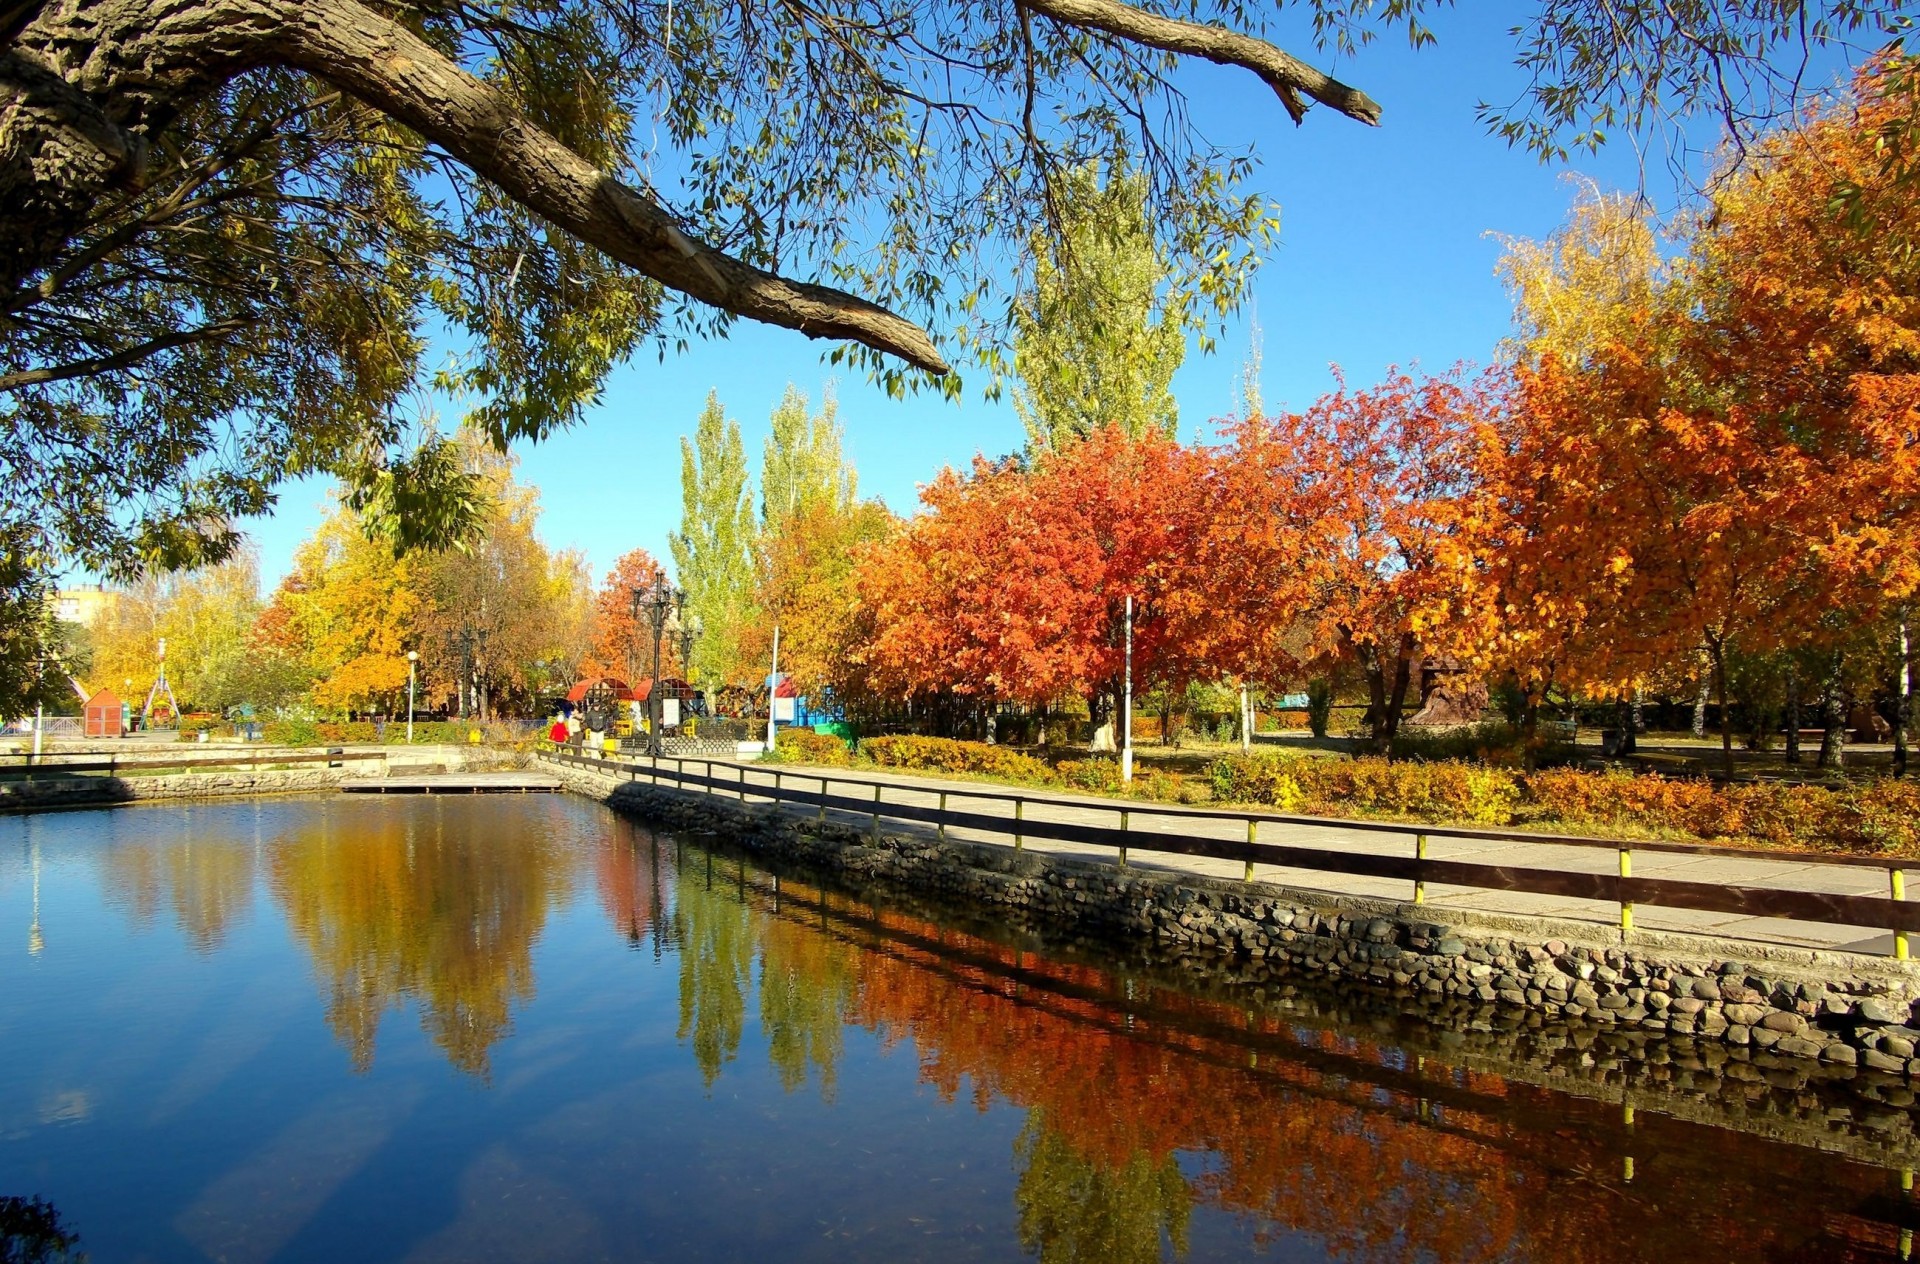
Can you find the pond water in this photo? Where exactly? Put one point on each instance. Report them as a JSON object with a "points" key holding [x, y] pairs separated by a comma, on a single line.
{"points": [[515, 1029]]}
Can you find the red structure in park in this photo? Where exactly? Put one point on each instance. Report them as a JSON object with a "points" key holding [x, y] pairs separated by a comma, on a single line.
{"points": [[104, 714]]}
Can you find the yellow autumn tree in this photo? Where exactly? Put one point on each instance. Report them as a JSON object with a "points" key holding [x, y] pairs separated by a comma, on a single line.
{"points": [[354, 613]]}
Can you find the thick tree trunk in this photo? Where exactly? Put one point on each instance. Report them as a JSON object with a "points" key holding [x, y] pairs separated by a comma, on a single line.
{"points": [[1530, 732], [1719, 651], [1700, 697], [1793, 714], [1902, 698], [1100, 711], [1833, 735], [89, 86], [1387, 680], [1626, 721]]}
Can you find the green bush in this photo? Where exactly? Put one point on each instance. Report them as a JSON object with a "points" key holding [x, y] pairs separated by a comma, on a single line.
{"points": [[804, 746], [1880, 817], [364, 732], [939, 754], [1489, 742], [1101, 776]]}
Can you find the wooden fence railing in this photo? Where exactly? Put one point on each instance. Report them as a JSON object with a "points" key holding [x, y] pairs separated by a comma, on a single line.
{"points": [[1620, 887], [113, 766]]}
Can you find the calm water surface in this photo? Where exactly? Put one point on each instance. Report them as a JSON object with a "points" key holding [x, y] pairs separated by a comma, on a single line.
{"points": [[523, 1029]]}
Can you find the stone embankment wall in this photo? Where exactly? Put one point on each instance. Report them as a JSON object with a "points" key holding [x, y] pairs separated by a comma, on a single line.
{"points": [[51, 791], [1842, 1013]]}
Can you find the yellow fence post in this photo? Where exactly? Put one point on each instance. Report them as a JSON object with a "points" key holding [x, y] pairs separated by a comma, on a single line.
{"points": [[943, 816], [1019, 814], [1253, 828], [1626, 906], [1906, 1235], [1123, 835], [1419, 853], [876, 811], [823, 800], [1898, 877]]}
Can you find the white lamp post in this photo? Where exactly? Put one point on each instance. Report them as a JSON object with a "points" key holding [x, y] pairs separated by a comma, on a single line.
{"points": [[413, 660], [1126, 705], [773, 690]]}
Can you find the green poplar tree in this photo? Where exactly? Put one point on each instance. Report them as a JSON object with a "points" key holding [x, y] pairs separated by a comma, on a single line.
{"points": [[712, 551], [804, 464], [1099, 332]]}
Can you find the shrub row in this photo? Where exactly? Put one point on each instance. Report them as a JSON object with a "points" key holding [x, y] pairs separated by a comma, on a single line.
{"points": [[363, 732], [1880, 817], [804, 746], [978, 759], [939, 754]]}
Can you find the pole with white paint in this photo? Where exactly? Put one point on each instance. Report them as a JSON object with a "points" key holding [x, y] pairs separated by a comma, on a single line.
{"points": [[773, 688], [1126, 705]]}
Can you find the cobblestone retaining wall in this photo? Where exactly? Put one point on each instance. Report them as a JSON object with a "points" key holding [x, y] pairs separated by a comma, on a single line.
{"points": [[1841, 1013], [47, 793]]}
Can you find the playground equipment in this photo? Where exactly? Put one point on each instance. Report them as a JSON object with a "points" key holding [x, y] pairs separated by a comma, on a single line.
{"points": [[160, 685]]}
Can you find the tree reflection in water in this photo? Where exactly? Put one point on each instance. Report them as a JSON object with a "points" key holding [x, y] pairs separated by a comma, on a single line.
{"points": [[1328, 1134], [31, 1233], [627, 873], [1078, 1208], [807, 984], [710, 925], [208, 882], [399, 910], [1145, 1106]]}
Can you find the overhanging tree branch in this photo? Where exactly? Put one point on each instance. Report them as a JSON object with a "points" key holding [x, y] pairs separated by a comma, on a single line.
{"points": [[1286, 74], [390, 68], [123, 359]]}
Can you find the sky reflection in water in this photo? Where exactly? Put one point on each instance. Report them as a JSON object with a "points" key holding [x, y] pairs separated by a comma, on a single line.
{"points": [[524, 1029]]}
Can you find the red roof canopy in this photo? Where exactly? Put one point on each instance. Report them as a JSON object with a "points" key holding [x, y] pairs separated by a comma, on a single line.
{"points": [[670, 687], [621, 691]]}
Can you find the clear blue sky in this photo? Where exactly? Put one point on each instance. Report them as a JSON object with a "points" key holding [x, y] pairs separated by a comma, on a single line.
{"points": [[1384, 258]]}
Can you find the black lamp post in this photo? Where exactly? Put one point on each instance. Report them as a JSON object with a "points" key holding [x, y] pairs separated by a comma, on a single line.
{"points": [[689, 630], [659, 600]]}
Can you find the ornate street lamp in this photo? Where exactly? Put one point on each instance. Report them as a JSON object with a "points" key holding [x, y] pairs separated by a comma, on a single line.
{"points": [[689, 632], [658, 601]]}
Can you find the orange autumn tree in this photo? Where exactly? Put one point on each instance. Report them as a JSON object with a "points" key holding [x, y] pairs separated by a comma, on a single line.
{"points": [[1732, 465], [804, 578], [1013, 585], [621, 645], [1347, 525]]}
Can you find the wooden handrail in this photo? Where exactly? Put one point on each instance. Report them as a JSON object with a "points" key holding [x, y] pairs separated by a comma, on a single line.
{"points": [[124, 765], [1874, 912]]}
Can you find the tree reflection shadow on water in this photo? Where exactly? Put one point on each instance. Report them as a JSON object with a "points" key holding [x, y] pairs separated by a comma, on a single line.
{"points": [[31, 1233], [407, 911], [1146, 1102], [391, 909], [1295, 1129]]}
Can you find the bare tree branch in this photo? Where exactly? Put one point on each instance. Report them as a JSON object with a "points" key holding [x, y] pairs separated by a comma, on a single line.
{"points": [[1286, 74]]}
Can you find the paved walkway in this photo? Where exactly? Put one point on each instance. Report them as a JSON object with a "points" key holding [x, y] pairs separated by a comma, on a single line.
{"points": [[519, 781], [1787, 872]]}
